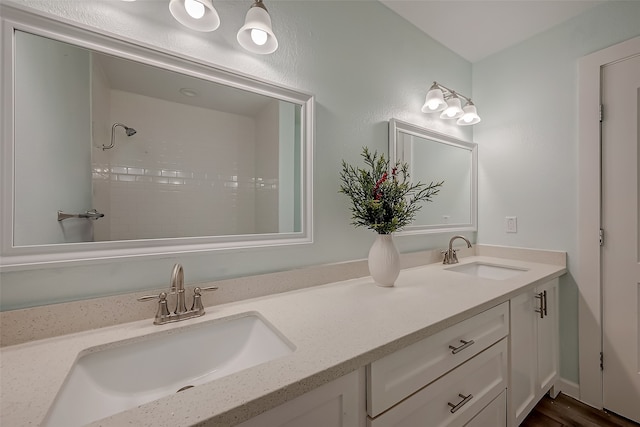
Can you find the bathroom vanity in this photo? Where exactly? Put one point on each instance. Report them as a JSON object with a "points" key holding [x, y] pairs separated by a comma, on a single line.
{"points": [[453, 345], [419, 384]]}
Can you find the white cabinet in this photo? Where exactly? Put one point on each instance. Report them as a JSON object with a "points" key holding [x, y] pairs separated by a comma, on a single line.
{"points": [[455, 398], [548, 339], [340, 403], [533, 348], [445, 379], [493, 415], [488, 370]]}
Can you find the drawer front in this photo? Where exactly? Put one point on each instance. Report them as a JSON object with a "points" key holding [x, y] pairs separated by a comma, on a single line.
{"points": [[398, 375], [493, 415], [457, 397]]}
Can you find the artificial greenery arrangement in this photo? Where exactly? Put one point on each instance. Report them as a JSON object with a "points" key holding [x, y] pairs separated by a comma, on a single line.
{"points": [[383, 201]]}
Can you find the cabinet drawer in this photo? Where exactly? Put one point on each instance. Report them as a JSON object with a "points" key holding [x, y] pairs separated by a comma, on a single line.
{"points": [[480, 380], [493, 415], [398, 375]]}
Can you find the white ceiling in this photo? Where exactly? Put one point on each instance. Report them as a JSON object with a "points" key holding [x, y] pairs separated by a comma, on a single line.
{"points": [[147, 80], [475, 29]]}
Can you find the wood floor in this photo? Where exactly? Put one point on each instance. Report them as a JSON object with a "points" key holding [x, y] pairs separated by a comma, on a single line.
{"points": [[568, 412]]}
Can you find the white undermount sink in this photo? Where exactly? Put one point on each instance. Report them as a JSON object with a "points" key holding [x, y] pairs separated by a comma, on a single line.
{"points": [[488, 271], [120, 376]]}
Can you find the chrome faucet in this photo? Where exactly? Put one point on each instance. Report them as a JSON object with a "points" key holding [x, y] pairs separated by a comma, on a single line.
{"points": [[164, 315], [177, 287], [450, 256]]}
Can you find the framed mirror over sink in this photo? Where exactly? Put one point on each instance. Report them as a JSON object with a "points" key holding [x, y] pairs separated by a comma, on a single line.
{"points": [[114, 150], [433, 157]]}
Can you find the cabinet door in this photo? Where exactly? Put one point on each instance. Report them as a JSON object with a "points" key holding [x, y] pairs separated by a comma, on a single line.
{"points": [[548, 338], [340, 403], [523, 356]]}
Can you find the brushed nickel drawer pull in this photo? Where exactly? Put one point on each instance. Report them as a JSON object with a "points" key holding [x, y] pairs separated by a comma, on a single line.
{"points": [[465, 399], [542, 310], [465, 344]]}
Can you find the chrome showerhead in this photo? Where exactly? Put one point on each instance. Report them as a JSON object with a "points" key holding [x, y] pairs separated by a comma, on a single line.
{"points": [[129, 131]]}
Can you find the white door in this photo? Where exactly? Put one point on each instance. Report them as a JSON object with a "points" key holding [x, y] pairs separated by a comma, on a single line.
{"points": [[621, 254]]}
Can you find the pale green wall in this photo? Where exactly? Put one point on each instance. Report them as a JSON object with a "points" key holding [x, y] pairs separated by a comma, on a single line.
{"points": [[364, 64], [528, 143]]}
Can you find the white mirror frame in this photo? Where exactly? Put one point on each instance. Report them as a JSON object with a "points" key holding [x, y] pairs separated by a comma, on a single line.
{"points": [[43, 256], [396, 126]]}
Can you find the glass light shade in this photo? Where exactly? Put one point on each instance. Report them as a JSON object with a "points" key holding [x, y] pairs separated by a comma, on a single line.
{"points": [[470, 115], [434, 101], [257, 25], [199, 15], [453, 110]]}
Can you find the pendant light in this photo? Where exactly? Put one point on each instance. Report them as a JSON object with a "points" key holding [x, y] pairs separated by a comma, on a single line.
{"points": [[199, 15], [256, 34]]}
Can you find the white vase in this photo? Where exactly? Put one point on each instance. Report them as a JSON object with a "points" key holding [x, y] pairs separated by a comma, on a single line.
{"points": [[384, 260]]}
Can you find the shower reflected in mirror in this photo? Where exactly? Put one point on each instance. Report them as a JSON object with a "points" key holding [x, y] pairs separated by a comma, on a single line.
{"points": [[129, 131], [235, 151]]}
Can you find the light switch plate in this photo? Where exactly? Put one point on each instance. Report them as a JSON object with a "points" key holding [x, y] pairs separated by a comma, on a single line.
{"points": [[511, 224]]}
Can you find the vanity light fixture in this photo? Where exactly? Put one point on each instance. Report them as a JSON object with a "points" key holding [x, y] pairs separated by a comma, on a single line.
{"points": [[442, 99], [199, 15], [256, 34]]}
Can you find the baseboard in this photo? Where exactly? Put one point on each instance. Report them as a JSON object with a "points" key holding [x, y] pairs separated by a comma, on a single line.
{"points": [[569, 388]]}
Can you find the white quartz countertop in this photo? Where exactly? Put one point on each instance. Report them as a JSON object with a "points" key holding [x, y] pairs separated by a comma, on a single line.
{"points": [[336, 329]]}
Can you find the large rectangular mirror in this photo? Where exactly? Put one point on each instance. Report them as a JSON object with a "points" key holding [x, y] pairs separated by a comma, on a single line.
{"points": [[115, 150], [434, 157]]}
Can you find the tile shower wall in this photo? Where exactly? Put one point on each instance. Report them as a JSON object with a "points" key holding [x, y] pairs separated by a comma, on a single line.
{"points": [[100, 137], [161, 183]]}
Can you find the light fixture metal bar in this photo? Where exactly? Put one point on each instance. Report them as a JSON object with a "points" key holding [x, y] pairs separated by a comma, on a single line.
{"points": [[258, 3], [450, 92]]}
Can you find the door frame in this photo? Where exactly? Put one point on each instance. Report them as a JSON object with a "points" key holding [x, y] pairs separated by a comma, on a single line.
{"points": [[589, 269]]}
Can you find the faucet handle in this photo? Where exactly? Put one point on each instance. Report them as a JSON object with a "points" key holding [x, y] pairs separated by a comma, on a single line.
{"points": [[197, 298], [163, 309], [450, 257], [150, 297]]}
